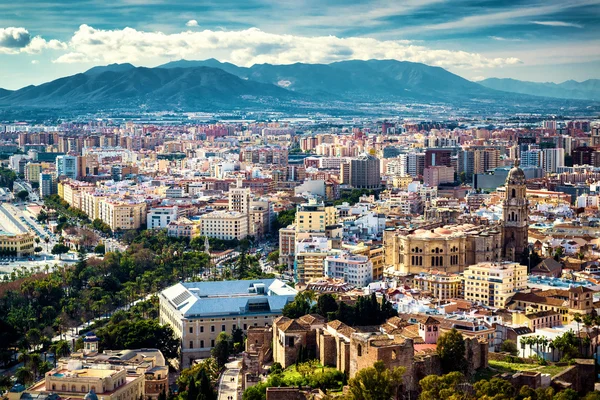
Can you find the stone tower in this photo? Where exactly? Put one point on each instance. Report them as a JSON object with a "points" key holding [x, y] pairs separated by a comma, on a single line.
{"points": [[515, 214]]}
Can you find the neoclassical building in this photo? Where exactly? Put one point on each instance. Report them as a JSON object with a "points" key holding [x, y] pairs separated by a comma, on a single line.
{"points": [[515, 214], [448, 249]]}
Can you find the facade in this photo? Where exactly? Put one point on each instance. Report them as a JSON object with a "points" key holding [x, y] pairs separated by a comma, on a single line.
{"points": [[47, 184], [161, 217], [184, 227], [566, 302], [309, 259], [449, 249], [32, 172], [553, 159], [123, 214], [354, 269], [435, 175], [225, 225], [515, 219], [314, 216], [493, 284], [199, 311], [67, 166], [364, 172], [441, 286]]}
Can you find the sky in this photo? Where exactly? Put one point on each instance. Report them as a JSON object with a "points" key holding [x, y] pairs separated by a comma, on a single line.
{"points": [[536, 40]]}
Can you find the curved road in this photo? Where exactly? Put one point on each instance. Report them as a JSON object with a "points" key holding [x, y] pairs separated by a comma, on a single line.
{"points": [[227, 386]]}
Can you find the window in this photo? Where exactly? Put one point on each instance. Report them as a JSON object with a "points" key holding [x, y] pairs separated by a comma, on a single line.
{"points": [[359, 350], [191, 344], [202, 344], [201, 329], [212, 343], [191, 329], [83, 390], [222, 328], [245, 326], [212, 328]]}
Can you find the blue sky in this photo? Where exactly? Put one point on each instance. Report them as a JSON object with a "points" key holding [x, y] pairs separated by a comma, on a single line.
{"points": [[533, 40]]}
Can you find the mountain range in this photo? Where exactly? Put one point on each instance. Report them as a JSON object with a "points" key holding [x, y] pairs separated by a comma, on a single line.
{"points": [[211, 85], [586, 90]]}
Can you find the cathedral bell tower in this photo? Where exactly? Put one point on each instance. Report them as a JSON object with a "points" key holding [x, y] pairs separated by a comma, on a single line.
{"points": [[515, 214]]}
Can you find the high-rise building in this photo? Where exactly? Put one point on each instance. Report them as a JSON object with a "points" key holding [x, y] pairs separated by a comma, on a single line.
{"points": [[67, 166], [365, 173], [596, 136], [531, 158], [438, 157], [515, 220], [552, 159], [47, 184]]}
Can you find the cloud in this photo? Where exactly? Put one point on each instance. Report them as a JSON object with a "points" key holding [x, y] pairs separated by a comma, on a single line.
{"points": [[503, 39], [14, 38], [19, 40], [253, 46], [35, 62], [557, 23], [507, 16], [191, 23]]}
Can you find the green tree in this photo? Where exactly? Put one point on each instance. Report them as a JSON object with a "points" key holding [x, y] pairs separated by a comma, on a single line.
{"points": [[100, 248], [22, 195], [24, 376], [276, 368], [509, 346], [451, 349], [221, 350], [444, 387], [60, 249], [494, 389], [273, 257], [375, 383], [325, 304], [567, 394]]}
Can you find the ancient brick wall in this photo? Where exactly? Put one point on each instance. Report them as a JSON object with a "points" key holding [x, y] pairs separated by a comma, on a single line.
{"points": [[580, 377], [326, 349]]}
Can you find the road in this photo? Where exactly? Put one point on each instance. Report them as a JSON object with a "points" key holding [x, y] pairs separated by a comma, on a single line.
{"points": [[228, 387]]}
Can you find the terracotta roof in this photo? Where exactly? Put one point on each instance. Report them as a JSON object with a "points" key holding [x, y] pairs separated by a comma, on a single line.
{"points": [[311, 319], [293, 326], [535, 298]]}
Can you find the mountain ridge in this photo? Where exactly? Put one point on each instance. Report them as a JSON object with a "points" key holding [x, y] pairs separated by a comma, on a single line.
{"points": [[570, 89]]}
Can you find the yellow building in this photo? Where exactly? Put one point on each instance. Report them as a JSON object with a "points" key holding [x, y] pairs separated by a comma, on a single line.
{"points": [[494, 284], [441, 286], [184, 227], [447, 249], [225, 225], [75, 382], [32, 172], [123, 214], [314, 217]]}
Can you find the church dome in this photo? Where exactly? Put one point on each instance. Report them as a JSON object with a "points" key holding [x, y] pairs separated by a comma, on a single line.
{"points": [[516, 176], [91, 395]]}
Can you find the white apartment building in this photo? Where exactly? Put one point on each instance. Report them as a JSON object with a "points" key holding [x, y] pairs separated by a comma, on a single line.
{"points": [[161, 217], [354, 269], [553, 159]]}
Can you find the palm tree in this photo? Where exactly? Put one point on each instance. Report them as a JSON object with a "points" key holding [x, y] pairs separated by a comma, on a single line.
{"points": [[24, 375], [577, 318], [47, 240]]}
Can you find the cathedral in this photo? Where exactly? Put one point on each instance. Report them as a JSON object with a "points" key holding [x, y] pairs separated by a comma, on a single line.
{"points": [[515, 214]]}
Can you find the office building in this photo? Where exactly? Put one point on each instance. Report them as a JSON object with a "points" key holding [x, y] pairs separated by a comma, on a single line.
{"points": [[365, 172], [553, 159], [198, 311], [47, 184], [66, 166], [314, 216]]}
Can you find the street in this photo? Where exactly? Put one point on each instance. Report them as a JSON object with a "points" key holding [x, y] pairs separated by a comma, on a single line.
{"points": [[229, 381]]}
